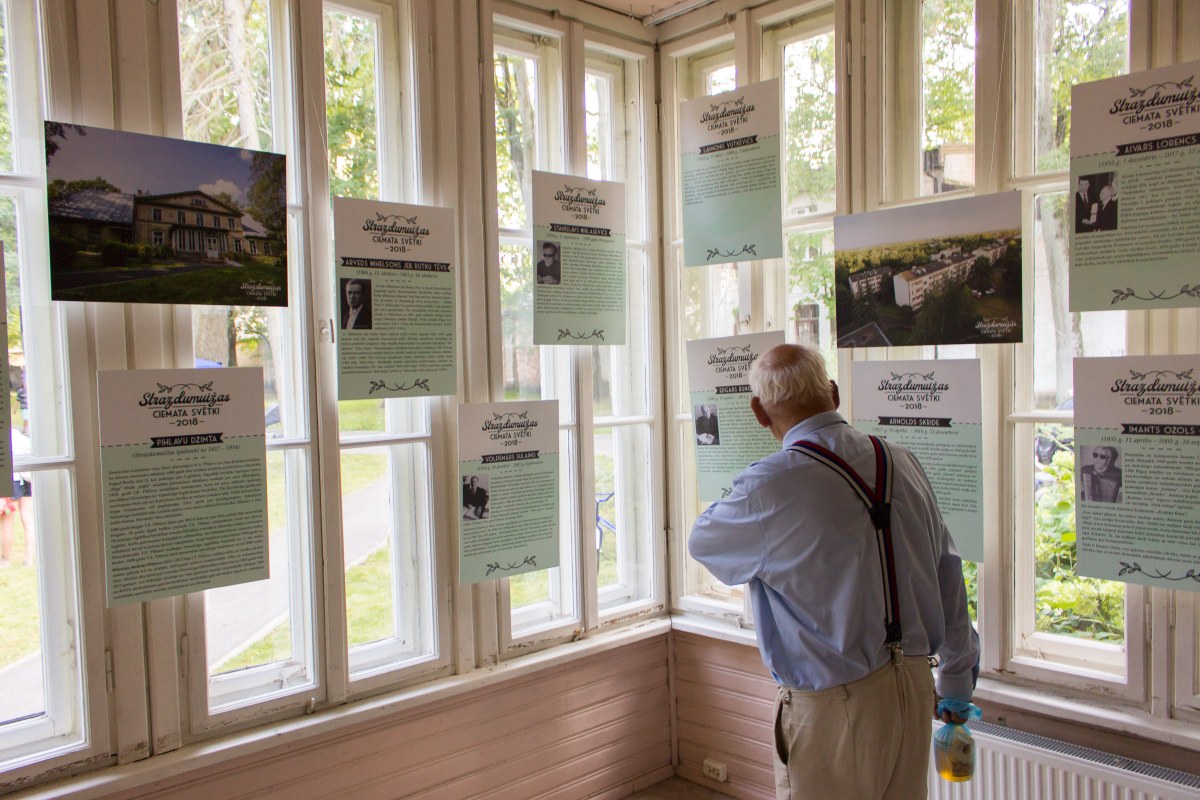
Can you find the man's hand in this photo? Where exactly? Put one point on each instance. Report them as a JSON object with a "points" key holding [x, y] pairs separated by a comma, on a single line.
{"points": [[953, 711]]}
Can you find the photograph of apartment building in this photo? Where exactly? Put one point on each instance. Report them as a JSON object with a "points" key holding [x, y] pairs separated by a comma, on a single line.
{"points": [[957, 282]]}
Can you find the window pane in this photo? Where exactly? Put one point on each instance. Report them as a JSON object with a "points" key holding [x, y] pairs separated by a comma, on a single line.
{"points": [[948, 95], [6, 126], [522, 359], [810, 293], [39, 634], [225, 77], [20, 627], [517, 118], [930, 96], [1077, 41], [621, 374], [526, 72], [1066, 603], [388, 563], [351, 54], [624, 514], [809, 90], [257, 624], [548, 597], [259, 636], [614, 121], [1060, 335], [598, 121], [367, 546], [39, 653], [720, 79]]}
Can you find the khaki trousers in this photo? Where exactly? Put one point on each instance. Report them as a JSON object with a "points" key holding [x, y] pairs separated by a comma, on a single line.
{"points": [[863, 740]]}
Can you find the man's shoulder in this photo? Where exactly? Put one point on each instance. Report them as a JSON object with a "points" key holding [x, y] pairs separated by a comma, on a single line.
{"points": [[781, 464]]}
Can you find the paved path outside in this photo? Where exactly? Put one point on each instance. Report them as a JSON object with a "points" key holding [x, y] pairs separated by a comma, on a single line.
{"points": [[236, 615]]}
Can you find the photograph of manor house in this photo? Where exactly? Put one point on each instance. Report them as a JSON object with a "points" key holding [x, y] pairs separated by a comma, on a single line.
{"points": [[148, 219], [957, 281]]}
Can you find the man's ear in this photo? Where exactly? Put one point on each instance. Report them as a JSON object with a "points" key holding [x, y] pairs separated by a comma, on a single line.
{"points": [[760, 412], [837, 397]]}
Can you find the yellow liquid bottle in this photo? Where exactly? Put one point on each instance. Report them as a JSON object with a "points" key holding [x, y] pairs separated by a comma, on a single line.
{"points": [[954, 753]]}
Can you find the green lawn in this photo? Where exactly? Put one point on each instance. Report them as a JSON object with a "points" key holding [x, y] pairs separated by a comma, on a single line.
{"points": [[19, 633], [218, 286], [369, 598], [360, 415]]}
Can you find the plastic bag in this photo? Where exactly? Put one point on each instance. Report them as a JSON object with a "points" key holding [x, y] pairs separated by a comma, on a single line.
{"points": [[954, 749]]}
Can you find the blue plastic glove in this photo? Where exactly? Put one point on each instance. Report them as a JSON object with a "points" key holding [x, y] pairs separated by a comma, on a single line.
{"points": [[962, 709]]}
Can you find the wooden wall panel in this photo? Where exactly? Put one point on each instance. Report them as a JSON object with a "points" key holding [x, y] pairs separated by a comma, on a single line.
{"points": [[597, 727], [724, 701]]}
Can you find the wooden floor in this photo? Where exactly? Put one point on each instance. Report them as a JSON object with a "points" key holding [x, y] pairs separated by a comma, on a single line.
{"points": [[678, 789]]}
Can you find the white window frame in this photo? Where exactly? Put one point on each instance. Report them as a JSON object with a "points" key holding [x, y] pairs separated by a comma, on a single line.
{"points": [[189, 704], [639, 594], [75, 726], [1117, 671], [419, 424], [704, 53]]}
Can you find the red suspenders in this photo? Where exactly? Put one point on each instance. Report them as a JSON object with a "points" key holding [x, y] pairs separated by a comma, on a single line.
{"points": [[878, 501]]}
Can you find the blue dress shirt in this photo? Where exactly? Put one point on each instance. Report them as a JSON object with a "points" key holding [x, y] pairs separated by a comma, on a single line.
{"points": [[802, 541]]}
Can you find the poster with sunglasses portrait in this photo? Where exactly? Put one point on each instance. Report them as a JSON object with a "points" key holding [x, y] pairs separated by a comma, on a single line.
{"points": [[579, 294], [1137, 470]]}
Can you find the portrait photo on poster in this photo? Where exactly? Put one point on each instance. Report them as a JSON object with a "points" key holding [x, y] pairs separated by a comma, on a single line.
{"points": [[356, 304], [475, 496], [1100, 478], [549, 265], [1096, 202], [707, 428]]}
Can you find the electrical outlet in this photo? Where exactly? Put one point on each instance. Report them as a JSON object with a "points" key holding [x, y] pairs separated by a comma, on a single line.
{"points": [[714, 769]]}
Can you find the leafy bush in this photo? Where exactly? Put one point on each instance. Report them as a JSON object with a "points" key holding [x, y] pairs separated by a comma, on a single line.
{"points": [[1067, 603], [63, 253], [118, 254]]}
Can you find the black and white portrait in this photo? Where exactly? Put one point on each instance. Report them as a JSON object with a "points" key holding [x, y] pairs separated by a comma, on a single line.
{"points": [[707, 429], [475, 497], [1096, 202], [356, 304], [1100, 477], [549, 265]]}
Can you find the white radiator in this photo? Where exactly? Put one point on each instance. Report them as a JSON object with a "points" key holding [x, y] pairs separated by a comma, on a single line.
{"points": [[1011, 765]]}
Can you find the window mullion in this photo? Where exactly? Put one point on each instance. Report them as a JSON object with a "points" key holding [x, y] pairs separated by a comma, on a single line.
{"points": [[585, 521]]}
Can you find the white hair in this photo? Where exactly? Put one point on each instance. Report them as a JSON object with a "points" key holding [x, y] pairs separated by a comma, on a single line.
{"points": [[791, 375]]}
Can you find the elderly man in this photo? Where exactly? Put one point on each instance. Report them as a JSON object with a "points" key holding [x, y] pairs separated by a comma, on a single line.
{"points": [[851, 595], [707, 431], [1101, 479]]}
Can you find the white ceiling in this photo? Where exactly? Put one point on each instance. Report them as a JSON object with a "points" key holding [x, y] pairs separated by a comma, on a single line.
{"points": [[650, 10]]}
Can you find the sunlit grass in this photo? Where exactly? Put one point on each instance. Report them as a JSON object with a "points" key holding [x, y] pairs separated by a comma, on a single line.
{"points": [[19, 630], [368, 598]]}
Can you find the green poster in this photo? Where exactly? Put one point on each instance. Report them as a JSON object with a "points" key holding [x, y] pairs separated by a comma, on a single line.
{"points": [[396, 299], [509, 470], [579, 260], [1134, 212], [1137, 469], [935, 410], [726, 435], [183, 466], [730, 172]]}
